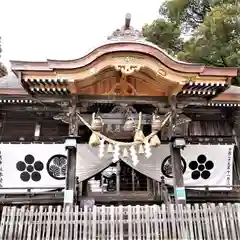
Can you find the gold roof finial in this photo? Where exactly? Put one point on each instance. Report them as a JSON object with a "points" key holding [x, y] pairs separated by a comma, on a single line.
{"points": [[126, 32]]}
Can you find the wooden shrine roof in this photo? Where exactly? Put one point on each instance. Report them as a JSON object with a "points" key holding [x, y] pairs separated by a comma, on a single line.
{"points": [[125, 65]]}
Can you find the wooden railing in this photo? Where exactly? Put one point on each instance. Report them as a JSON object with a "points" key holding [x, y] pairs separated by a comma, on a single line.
{"points": [[206, 221]]}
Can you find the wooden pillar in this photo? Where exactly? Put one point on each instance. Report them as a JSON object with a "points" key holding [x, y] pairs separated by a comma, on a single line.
{"points": [[179, 189], [71, 147]]}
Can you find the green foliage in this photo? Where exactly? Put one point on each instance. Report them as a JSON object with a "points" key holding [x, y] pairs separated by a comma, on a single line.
{"points": [[214, 26], [188, 14], [164, 34]]}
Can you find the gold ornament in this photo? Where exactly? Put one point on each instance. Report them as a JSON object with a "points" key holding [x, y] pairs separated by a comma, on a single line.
{"points": [[155, 141], [94, 140], [129, 125], [156, 123], [97, 123]]}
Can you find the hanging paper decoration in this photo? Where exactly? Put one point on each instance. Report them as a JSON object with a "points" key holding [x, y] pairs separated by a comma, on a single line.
{"points": [[101, 148], [134, 155], [139, 136], [156, 126], [116, 153], [140, 141], [110, 148], [141, 149], [125, 153], [148, 152]]}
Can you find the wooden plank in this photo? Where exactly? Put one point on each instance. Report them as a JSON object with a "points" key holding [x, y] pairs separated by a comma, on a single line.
{"points": [[66, 224], [11, 223], [21, 223], [147, 214], [165, 231], [142, 222], [85, 223], [190, 221], [75, 233], [3, 221], [17, 218], [156, 221], [44, 222], [236, 207], [30, 223], [94, 222], [138, 219], [231, 220], [130, 222], [26, 223], [213, 210], [54, 219], [198, 220], [223, 221], [49, 222], [58, 222], [120, 212]]}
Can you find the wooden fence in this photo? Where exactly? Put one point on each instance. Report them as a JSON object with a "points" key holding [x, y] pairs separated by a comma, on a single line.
{"points": [[206, 221]]}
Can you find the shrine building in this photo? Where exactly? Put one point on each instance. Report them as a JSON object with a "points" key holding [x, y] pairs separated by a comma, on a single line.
{"points": [[125, 124]]}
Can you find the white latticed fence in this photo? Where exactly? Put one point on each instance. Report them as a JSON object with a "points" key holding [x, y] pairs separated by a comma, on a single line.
{"points": [[206, 221]]}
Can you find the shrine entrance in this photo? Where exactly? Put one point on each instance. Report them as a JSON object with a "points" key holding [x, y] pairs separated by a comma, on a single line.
{"points": [[120, 183], [124, 71]]}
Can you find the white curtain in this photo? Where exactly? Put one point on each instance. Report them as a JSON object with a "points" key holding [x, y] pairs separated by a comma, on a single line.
{"points": [[89, 163], [206, 165]]}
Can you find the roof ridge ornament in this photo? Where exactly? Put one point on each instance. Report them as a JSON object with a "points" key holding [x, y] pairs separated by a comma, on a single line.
{"points": [[127, 32]]}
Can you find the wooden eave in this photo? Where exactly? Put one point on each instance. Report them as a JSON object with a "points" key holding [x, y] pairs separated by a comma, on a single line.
{"points": [[155, 52], [148, 71]]}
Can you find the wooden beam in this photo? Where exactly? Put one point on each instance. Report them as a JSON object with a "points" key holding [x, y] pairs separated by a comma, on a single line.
{"points": [[179, 189], [71, 155]]}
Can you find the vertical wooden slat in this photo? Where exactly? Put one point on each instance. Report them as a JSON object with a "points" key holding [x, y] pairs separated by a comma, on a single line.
{"points": [[190, 221], [165, 231], [156, 221], [112, 222], [44, 223], [103, 221], [94, 222], [30, 223], [120, 209], [81, 224], [213, 210], [141, 222], [129, 215], [138, 222], [21, 222], [146, 209], [237, 219], [85, 223], [231, 218], [26, 223], [12, 223], [3, 221], [223, 221], [198, 220], [39, 224], [75, 235], [53, 223], [7, 220], [66, 225], [17, 218], [58, 222]]}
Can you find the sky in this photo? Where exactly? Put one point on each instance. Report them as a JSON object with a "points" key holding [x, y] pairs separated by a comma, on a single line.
{"points": [[35, 30]]}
